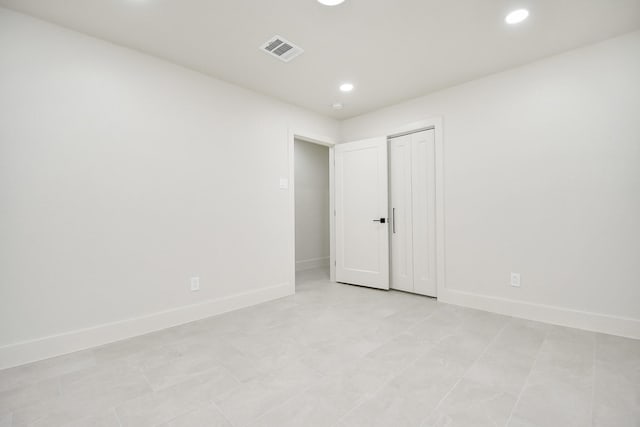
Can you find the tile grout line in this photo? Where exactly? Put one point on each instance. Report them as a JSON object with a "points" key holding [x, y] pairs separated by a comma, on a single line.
{"points": [[526, 381], [204, 405], [282, 403], [222, 413], [325, 377], [153, 391], [360, 401], [386, 383], [301, 391], [118, 417], [146, 379], [111, 409], [484, 351]]}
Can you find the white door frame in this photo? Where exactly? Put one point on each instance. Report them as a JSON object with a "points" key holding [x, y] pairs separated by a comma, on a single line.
{"points": [[434, 123], [327, 142]]}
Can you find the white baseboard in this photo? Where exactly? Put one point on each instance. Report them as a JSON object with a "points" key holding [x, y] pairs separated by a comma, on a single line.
{"points": [[308, 264], [614, 325], [68, 342]]}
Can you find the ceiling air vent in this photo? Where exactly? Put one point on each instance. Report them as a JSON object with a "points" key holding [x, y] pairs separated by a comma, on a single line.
{"points": [[281, 48]]}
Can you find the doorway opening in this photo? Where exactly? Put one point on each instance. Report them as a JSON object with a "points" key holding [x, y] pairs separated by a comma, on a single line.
{"points": [[312, 210], [311, 204]]}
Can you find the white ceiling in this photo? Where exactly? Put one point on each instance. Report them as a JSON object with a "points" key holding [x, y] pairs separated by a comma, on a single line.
{"points": [[391, 50]]}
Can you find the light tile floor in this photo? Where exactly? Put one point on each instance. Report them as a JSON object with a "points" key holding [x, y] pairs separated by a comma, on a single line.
{"points": [[337, 355]]}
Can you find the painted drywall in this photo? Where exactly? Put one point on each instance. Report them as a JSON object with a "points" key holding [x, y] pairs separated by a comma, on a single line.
{"points": [[122, 176], [312, 205], [542, 178]]}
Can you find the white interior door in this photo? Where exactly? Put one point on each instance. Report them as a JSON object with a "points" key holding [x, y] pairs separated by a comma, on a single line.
{"points": [[361, 200], [401, 212], [413, 239], [423, 188]]}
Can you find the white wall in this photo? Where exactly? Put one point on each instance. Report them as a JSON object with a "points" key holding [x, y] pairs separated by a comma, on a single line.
{"points": [[121, 176], [312, 205], [542, 177]]}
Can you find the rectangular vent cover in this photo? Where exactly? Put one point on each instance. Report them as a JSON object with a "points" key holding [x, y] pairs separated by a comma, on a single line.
{"points": [[281, 48]]}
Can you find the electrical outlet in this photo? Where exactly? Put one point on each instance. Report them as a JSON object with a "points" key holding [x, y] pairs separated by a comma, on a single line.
{"points": [[515, 279], [195, 284]]}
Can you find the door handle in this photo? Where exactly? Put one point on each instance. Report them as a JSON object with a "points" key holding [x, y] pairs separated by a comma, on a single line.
{"points": [[381, 220], [393, 219]]}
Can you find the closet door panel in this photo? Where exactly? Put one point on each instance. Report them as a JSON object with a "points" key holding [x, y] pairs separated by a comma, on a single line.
{"points": [[423, 212], [401, 214]]}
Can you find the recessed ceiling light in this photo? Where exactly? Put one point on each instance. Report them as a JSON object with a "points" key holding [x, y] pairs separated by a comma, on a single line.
{"points": [[346, 87], [516, 16], [331, 2], [337, 106]]}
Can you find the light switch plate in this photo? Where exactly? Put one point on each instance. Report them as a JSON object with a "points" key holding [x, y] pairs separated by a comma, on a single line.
{"points": [[284, 183], [515, 280]]}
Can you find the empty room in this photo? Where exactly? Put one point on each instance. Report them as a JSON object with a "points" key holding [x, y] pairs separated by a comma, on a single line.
{"points": [[340, 213]]}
